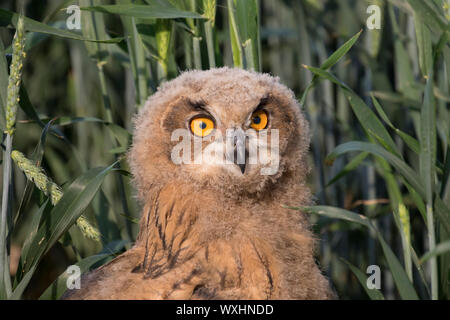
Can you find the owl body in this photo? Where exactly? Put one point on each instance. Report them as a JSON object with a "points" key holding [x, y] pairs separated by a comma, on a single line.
{"points": [[215, 230]]}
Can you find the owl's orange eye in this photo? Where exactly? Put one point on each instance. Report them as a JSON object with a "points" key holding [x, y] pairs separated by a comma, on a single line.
{"points": [[202, 126], [259, 120]]}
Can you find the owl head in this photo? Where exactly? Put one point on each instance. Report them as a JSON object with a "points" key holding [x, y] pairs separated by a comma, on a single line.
{"points": [[228, 130]]}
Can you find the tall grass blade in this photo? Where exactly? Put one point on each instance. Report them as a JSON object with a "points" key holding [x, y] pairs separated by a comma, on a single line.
{"points": [[137, 59], [74, 201], [331, 61], [400, 212], [209, 8], [340, 52], [12, 101], [427, 140], [197, 53], [427, 160], [163, 37], [336, 213], [404, 286], [247, 24], [149, 11], [405, 170], [349, 167], [10, 18], [441, 248], [3, 85], [59, 286], [31, 232], [235, 39], [374, 294], [366, 117], [410, 141], [431, 14], [424, 45]]}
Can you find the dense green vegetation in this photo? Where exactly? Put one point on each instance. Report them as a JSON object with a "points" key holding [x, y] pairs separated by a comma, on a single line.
{"points": [[377, 101]]}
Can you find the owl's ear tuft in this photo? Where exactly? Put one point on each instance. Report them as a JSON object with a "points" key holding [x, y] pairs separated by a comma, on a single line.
{"points": [[174, 116], [167, 119]]}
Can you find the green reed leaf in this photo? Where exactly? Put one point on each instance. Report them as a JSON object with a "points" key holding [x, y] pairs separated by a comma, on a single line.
{"points": [[150, 11]]}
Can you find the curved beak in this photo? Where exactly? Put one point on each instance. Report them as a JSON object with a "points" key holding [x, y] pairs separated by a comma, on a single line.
{"points": [[240, 151]]}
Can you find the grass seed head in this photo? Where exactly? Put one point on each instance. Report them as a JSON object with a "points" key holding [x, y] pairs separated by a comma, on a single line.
{"points": [[15, 75]]}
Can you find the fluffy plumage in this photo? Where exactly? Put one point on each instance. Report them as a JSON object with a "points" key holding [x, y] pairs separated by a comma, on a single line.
{"points": [[210, 232]]}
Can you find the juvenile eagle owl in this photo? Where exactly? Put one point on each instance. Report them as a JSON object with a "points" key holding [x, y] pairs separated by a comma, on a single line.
{"points": [[213, 225]]}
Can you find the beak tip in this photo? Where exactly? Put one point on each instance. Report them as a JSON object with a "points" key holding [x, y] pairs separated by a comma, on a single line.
{"points": [[242, 167]]}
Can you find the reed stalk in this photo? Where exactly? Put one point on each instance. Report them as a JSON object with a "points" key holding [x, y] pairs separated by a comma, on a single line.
{"points": [[15, 77]]}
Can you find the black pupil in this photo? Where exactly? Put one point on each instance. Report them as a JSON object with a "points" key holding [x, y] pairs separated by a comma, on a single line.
{"points": [[257, 120], [202, 125]]}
